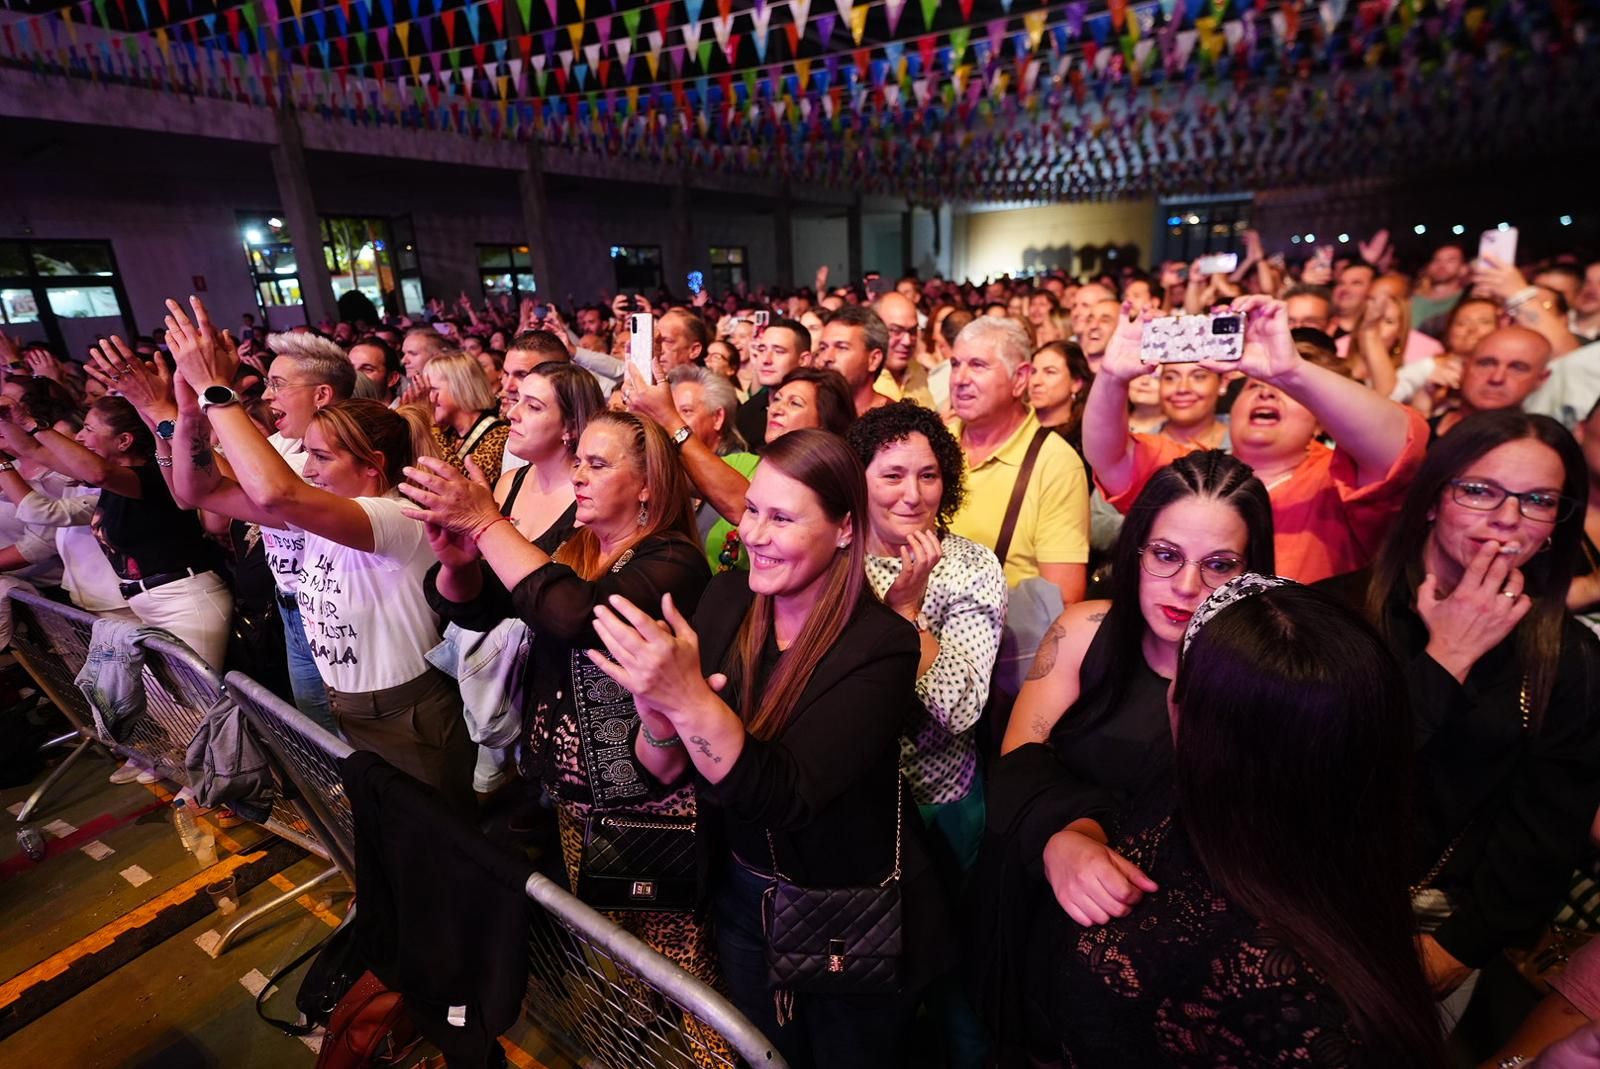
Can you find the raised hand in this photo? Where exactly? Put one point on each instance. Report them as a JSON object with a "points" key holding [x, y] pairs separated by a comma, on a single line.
{"points": [[917, 560], [1486, 605], [1122, 361], [205, 356], [148, 387], [43, 365], [1376, 250], [1269, 351], [446, 498], [820, 282], [659, 658], [1497, 279], [453, 548]]}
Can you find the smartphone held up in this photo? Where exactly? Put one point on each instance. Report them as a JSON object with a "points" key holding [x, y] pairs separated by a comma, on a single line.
{"points": [[642, 344], [1185, 339]]}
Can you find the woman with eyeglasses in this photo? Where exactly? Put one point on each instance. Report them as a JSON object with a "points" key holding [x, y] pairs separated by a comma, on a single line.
{"points": [[1469, 591], [1089, 729]]}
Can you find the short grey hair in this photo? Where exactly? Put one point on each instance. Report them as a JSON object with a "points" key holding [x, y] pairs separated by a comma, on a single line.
{"points": [[1006, 336], [716, 393], [320, 359]]}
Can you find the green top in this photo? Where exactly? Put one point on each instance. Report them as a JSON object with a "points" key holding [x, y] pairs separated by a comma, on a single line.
{"points": [[713, 528]]}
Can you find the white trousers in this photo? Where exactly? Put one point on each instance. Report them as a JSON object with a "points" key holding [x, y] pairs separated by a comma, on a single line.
{"points": [[198, 610]]}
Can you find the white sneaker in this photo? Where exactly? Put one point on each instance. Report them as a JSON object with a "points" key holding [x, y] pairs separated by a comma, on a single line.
{"points": [[126, 772], [146, 776]]}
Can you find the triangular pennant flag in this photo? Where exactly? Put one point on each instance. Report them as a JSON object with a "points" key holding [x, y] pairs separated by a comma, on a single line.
{"points": [[624, 47], [825, 24], [692, 9], [1033, 22], [844, 7], [704, 55], [892, 9], [575, 34], [630, 20], [602, 27], [592, 54], [929, 7], [691, 35]]}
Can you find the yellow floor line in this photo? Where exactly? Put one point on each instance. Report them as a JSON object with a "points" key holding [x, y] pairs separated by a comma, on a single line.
{"points": [[97, 941], [519, 1057]]}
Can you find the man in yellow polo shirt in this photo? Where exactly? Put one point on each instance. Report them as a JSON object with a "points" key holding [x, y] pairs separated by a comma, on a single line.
{"points": [[988, 381], [902, 378]]}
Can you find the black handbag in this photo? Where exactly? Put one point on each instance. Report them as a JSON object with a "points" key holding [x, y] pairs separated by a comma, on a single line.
{"points": [[834, 940], [641, 861], [631, 860]]}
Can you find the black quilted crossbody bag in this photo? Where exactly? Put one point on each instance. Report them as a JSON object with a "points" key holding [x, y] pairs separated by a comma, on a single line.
{"points": [[834, 940]]}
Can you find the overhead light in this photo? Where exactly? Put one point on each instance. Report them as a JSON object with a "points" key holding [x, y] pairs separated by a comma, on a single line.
{"points": [[1344, 239], [1502, 226], [1566, 220], [1419, 229], [1193, 220], [254, 236], [275, 223], [1294, 239], [1311, 239], [1458, 229]]}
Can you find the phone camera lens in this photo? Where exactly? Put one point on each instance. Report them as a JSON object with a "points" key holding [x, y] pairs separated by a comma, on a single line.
{"points": [[1225, 325]]}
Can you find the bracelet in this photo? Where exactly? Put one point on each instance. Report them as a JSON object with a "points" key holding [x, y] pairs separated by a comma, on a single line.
{"points": [[660, 744], [7, 466], [1521, 297], [480, 532], [163, 462]]}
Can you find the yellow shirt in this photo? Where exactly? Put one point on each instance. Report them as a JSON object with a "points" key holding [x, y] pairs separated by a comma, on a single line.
{"points": [[1053, 526], [915, 389]]}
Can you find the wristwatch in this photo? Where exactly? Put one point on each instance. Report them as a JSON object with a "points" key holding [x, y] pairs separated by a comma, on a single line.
{"points": [[165, 429], [217, 397], [922, 623], [681, 435]]}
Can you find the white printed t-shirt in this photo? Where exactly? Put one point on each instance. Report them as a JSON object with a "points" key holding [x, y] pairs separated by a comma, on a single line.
{"points": [[364, 613], [283, 546]]}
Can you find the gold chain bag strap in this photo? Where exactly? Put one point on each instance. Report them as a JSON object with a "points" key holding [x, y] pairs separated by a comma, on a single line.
{"points": [[834, 940]]}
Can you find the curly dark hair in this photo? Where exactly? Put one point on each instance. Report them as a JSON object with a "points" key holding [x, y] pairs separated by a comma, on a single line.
{"points": [[897, 422]]}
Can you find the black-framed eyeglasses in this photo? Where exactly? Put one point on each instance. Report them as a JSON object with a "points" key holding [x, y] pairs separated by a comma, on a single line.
{"points": [[1165, 561], [1545, 506]]}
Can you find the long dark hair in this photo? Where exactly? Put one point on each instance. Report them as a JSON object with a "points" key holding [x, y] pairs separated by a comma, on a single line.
{"points": [[1112, 661], [830, 469], [1546, 576], [1293, 768], [1077, 366], [577, 395]]}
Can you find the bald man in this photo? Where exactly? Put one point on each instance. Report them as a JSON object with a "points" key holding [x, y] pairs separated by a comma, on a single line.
{"points": [[1099, 325], [902, 377], [1082, 302], [1502, 371]]}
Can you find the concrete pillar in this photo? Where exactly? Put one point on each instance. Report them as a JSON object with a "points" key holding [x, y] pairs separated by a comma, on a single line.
{"points": [[682, 255], [908, 221], [305, 227], [783, 237], [530, 191], [853, 238]]}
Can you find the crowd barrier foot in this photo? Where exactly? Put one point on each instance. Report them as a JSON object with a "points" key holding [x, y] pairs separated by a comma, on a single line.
{"points": [[268, 907]]}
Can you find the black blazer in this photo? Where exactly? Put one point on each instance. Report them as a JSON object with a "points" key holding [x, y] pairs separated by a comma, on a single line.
{"points": [[824, 788]]}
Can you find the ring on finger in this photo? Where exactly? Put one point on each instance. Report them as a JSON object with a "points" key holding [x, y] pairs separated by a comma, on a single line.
{"points": [[1508, 593]]}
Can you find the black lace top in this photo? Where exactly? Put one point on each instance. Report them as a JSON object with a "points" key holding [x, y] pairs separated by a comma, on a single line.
{"points": [[1187, 979]]}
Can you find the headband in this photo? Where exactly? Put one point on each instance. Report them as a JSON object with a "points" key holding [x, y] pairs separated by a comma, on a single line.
{"points": [[1234, 590]]}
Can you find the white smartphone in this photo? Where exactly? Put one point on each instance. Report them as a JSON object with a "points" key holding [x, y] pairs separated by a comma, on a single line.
{"points": [[1218, 263], [761, 317], [1190, 339], [1500, 244], [642, 344]]}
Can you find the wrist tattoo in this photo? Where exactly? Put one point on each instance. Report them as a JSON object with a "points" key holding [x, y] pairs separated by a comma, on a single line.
{"points": [[704, 746], [202, 459]]}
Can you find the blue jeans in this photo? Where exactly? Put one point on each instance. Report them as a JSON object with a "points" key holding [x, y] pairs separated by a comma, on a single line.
{"points": [[310, 695]]}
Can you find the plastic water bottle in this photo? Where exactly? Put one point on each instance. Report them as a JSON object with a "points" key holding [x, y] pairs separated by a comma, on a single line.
{"points": [[188, 830]]}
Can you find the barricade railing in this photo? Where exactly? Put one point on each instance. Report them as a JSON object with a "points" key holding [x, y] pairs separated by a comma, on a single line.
{"points": [[51, 641], [599, 993]]}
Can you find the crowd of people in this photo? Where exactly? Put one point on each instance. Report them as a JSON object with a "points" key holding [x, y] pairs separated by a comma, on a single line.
{"points": [[1236, 711]]}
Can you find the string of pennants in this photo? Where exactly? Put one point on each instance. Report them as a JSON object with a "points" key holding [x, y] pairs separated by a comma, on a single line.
{"points": [[828, 95]]}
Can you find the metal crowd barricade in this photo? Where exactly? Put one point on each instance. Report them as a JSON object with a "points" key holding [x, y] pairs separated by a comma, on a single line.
{"points": [[598, 992], [51, 641]]}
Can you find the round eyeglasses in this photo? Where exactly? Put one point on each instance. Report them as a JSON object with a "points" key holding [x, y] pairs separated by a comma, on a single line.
{"points": [[1165, 561]]}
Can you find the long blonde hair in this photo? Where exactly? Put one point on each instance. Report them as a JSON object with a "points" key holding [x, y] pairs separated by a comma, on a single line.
{"points": [[667, 506], [377, 436]]}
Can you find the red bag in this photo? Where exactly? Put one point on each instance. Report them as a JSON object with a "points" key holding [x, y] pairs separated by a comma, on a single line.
{"points": [[369, 1027]]}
